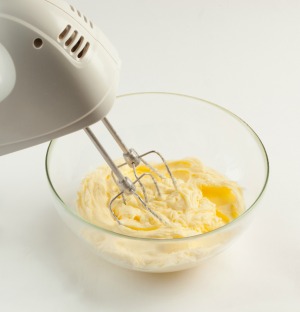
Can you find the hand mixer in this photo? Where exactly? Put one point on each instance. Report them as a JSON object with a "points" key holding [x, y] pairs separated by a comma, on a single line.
{"points": [[59, 74]]}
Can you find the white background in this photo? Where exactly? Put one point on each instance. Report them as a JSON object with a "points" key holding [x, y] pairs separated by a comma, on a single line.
{"points": [[241, 54]]}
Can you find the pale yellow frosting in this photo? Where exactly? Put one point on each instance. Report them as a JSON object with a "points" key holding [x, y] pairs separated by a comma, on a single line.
{"points": [[205, 200]]}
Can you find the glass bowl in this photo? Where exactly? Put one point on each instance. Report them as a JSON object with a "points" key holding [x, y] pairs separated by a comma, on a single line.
{"points": [[178, 126]]}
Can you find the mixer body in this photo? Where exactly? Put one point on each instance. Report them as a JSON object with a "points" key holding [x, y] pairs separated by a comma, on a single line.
{"points": [[58, 72]]}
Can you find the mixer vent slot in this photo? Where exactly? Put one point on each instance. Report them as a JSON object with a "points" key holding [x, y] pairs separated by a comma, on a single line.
{"points": [[83, 52], [75, 44], [71, 38], [82, 16], [65, 32]]}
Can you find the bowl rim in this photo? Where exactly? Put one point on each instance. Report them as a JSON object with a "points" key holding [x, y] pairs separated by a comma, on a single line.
{"points": [[217, 230]]}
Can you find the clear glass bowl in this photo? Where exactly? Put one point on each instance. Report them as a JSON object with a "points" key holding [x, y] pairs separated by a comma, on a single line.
{"points": [[178, 126]]}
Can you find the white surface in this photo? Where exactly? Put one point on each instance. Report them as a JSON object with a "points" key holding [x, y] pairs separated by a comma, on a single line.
{"points": [[244, 55]]}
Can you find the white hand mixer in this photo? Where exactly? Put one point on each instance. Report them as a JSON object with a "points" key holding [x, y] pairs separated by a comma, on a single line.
{"points": [[59, 74]]}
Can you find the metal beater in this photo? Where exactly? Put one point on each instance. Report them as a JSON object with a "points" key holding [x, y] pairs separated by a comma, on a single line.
{"points": [[132, 159]]}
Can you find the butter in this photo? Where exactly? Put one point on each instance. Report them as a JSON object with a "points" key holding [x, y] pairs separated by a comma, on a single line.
{"points": [[205, 200]]}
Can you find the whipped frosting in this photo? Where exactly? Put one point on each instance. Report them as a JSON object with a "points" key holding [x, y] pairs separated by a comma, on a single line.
{"points": [[204, 200]]}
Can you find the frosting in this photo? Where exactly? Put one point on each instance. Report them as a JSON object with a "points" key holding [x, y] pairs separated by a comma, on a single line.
{"points": [[204, 200]]}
